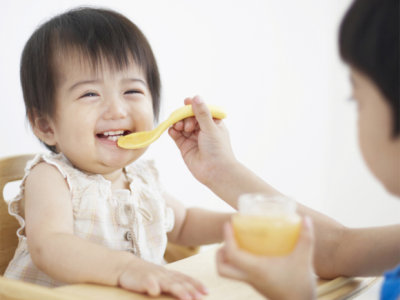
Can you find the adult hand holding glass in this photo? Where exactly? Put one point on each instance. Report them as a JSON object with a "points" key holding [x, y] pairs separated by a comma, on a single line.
{"points": [[276, 277]]}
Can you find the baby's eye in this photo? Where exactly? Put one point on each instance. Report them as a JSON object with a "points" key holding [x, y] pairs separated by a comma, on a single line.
{"points": [[89, 94], [134, 92]]}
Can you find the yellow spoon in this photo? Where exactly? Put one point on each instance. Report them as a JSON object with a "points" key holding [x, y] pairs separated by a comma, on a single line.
{"points": [[142, 139]]}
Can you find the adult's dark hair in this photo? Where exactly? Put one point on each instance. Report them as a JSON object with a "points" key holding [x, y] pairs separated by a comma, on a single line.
{"points": [[96, 34], [369, 41]]}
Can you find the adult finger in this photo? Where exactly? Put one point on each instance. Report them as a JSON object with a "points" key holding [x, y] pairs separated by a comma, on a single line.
{"points": [[174, 134], [190, 124], [179, 125], [225, 269], [202, 114], [305, 244], [188, 100]]}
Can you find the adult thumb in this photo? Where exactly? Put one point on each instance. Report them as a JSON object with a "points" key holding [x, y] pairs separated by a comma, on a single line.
{"points": [[305, 244], [202, 114]]}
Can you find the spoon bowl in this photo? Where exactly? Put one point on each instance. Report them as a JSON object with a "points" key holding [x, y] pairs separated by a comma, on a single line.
{"points": [[142, 139]]}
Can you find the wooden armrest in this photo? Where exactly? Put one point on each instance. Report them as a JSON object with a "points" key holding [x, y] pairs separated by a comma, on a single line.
{"points": [[11, 289]]}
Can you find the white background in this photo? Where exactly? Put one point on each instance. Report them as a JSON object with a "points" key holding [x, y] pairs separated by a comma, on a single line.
{"points": [[273, 65]]}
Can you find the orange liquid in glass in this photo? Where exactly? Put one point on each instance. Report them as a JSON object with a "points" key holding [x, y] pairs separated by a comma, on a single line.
{"points": [[266, 235]]}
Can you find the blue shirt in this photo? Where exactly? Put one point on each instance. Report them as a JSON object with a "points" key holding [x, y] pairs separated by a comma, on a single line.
{"points": [[391, 285]]}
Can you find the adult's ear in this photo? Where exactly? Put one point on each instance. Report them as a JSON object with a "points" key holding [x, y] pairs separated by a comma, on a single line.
{"points": [[43, 128]]}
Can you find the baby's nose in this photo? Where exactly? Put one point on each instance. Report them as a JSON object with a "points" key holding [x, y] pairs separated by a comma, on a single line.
{"points": [[115, 109]]}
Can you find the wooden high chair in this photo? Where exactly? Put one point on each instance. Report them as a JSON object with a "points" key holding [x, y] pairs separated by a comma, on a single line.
{"points": [[12, 169]]}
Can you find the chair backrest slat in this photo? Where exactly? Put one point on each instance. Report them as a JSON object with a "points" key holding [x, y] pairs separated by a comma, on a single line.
{"points": [[11, 169]]}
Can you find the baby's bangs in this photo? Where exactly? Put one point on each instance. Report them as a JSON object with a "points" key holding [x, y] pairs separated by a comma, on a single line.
{"points": [[95, 59], [99, 42]]}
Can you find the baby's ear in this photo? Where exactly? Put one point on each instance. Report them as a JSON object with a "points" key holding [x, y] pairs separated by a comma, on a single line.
{"points": [[43, 128]]}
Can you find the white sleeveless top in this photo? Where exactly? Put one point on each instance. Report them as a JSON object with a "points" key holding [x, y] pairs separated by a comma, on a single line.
{"points": [[135, 220]]}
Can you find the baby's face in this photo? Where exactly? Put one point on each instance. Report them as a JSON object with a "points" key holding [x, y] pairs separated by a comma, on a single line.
{"points": [[380, 151], [94, 108]]}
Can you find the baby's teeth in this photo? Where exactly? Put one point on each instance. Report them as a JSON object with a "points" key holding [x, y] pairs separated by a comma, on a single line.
{"points": [[113, 138], [108, 133]]}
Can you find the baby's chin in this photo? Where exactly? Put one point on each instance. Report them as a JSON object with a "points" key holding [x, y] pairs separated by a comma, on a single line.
{"points": [[122, 159], [101, 167]]}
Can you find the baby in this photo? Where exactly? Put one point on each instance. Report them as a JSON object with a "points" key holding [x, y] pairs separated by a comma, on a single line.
{"points": [[90, 211]]}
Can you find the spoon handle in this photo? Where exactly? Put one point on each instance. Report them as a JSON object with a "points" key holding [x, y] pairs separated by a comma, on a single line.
{"points": [[187, 111], [142, 139]]}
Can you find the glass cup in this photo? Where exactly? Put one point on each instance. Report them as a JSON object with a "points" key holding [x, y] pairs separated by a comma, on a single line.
{"points": [[266, 225]]}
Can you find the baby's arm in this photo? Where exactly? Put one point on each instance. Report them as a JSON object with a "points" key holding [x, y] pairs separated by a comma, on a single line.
{"points": [[196, 226], [58, 252]]}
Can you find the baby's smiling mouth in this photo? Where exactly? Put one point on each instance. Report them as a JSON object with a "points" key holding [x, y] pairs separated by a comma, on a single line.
{"points": [[112, 135]]}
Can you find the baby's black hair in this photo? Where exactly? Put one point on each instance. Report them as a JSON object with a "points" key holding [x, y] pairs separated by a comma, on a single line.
{"points": [[369, 41], [97, 34]]}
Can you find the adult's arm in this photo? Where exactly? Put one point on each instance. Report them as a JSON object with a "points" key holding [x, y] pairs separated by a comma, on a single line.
{"points": [[339, 250]]}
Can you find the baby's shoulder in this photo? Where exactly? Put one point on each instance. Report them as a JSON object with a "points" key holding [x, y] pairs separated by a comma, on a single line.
{"points": [[44, 174], [46, 168], [43, 171], [47, 164]]}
